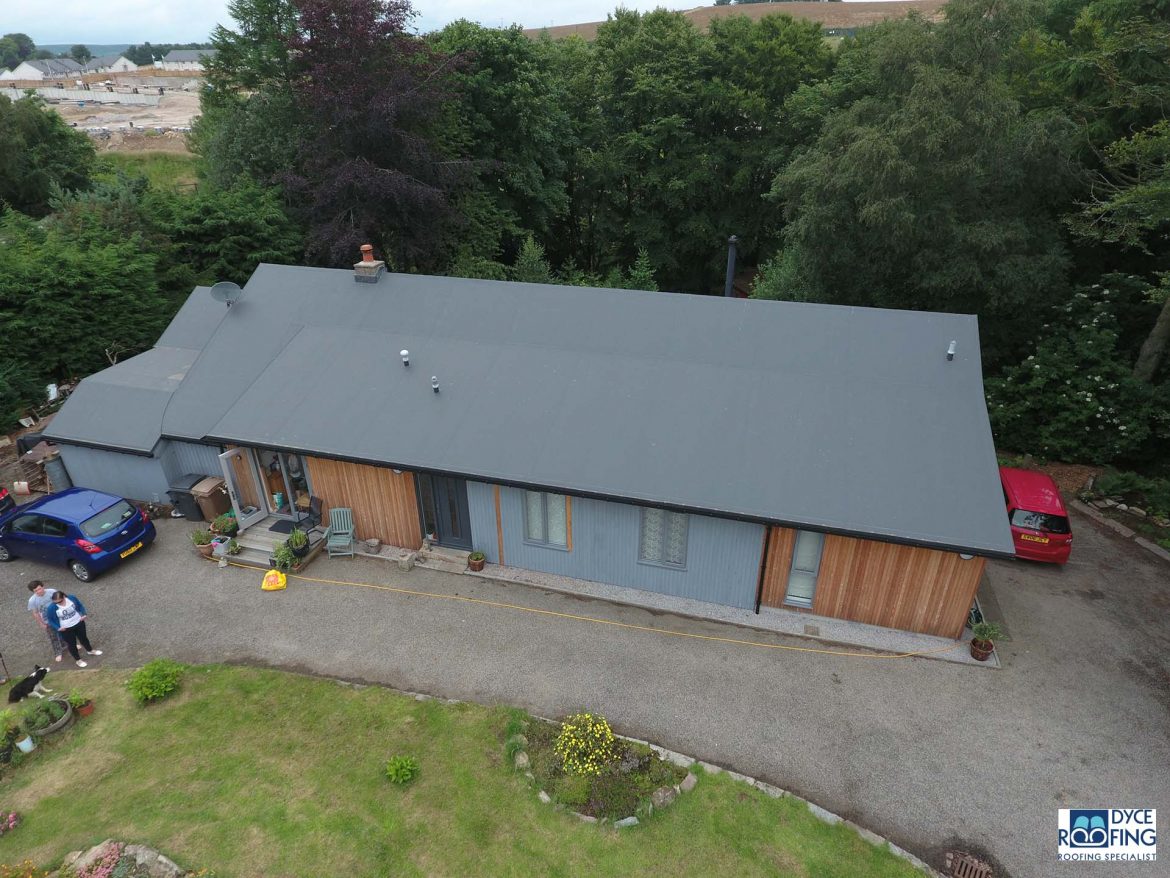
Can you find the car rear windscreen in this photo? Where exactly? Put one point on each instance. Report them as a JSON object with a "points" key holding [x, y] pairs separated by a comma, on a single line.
{"points": [[1053, 524], [108, 519]]}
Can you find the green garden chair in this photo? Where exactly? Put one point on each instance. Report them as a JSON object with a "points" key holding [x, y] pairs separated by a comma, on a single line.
{"points": [[339, 537]]}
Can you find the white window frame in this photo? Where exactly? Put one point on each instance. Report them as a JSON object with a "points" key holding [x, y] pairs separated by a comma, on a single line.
{"points": [[545, 498], [815, 572], [644, 558]]}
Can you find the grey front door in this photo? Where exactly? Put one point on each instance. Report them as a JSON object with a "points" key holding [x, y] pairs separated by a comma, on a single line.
{"points": [[443, 501]]}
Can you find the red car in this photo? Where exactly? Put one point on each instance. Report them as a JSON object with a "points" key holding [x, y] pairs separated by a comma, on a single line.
{"points": [[1039, 521]]}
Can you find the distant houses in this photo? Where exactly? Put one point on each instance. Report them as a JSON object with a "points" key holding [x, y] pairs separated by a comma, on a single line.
{"points": [[48, 68], [185, 59], [110, 64]]}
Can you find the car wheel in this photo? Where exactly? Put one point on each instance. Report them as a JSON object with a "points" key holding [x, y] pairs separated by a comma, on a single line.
{"points": [[5, 555], [81, 571]]}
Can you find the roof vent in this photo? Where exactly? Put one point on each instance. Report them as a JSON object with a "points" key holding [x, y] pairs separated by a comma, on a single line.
{"points": [[405, 354], [435, 383], [951, 350], [369, 269]]}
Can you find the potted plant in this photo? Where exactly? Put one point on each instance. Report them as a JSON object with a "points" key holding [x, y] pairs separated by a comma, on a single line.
{"points": [[82, 704], [283, 558], [233, 547], [202, 540], [226, 524], [298, 542], [983, 635], [475, 561], [48, 716]]}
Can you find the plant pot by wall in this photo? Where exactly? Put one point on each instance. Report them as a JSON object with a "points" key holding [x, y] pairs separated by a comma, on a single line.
{"points": [[475, 565], [981, 650], [206, 551]]}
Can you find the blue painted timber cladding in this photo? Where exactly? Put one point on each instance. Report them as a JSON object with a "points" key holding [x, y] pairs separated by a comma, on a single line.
{"points": [[127, 475], [723, 556]]}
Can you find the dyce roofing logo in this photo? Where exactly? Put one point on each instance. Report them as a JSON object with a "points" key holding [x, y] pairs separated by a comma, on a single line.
{"points": [[1089, 829], [1108, 834]]}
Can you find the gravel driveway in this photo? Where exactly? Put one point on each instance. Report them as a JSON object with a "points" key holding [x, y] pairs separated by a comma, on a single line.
{"points": [[928, 753]]}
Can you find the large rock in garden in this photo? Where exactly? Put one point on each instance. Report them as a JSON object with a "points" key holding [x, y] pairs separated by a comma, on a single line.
{"points": [[663, 796], [522, 761]]}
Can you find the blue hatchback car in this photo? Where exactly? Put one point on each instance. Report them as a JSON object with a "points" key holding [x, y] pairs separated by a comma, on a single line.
{"points": [[88, 531]]}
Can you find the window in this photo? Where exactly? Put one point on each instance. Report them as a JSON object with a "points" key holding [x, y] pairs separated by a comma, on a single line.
{"points": [[109, 518], [1053, 524], [663, 539], [806, 563], [27, 524], [546, 519], [51, 527]]}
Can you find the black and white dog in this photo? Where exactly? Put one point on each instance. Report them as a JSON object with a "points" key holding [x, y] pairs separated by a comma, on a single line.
{"points": [[30, 685]]}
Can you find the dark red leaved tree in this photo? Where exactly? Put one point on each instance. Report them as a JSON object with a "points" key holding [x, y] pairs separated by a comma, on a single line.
{"points": [[372, 168]]}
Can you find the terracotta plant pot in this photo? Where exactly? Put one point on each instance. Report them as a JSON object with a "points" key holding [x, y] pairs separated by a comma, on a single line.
{"points": [[475, 564], [85, 709], [206, 551], [981, 650]]}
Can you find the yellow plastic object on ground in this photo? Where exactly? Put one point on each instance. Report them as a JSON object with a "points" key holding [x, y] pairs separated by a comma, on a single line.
{"points": [[274, 580]]}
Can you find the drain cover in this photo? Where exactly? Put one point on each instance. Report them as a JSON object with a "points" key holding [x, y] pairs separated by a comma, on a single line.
{"points": [[960, 865]]}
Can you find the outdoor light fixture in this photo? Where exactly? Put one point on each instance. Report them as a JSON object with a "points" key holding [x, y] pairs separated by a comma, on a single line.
{"points": [[951, 350], [434, 384], [965, 557], [405, 354]]}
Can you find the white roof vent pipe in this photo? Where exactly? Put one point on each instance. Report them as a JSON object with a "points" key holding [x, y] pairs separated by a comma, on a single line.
{"points": [[405, 354], [951, 350], [435, 383]]}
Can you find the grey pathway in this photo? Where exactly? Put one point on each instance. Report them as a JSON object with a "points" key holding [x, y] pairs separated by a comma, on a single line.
{"points": [[924, 752]]}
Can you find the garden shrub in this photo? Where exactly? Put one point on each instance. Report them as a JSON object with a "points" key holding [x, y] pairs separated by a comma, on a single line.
{"points": [[585, 744], [402, 769], [155, 680], [1075, 398], [1152, 494]]}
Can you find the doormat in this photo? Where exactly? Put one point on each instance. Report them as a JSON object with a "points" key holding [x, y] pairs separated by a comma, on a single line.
{"points": [[281, 527]]}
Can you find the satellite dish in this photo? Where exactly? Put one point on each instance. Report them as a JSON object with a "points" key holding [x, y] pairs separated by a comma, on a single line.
{"points": [[227, 292]]}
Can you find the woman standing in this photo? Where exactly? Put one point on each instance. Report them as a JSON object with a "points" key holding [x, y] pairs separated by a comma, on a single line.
{"points": [[66, 616]]}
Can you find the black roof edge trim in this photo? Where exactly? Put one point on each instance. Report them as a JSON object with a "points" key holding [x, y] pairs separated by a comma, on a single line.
{"points": [[97, 446], [618, 498]]}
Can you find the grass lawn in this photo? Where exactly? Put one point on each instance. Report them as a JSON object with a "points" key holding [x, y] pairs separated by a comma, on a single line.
{"points": [[164, 170], [254, 772]]}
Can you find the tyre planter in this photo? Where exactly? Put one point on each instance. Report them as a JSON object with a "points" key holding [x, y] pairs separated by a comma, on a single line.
{"points": [[981, 650], [60, 725]]}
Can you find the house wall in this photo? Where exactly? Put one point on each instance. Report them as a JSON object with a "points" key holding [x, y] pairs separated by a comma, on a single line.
{"points": [[127, 475], [723, 556], [384, 503], [907, 587], [180, 458]]}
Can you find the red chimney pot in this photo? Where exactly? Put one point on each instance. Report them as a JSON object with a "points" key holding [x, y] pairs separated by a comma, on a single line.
{"points": [[367, 252]]}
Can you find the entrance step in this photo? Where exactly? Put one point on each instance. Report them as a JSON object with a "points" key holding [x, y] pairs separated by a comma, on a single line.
{"points": [[442, 558]]}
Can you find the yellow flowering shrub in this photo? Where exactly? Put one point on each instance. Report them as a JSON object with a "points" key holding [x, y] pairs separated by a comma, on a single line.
{"points": [[585, 744]]}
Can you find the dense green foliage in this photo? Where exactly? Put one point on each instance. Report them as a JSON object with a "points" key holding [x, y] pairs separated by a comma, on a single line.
{"points": [[37, 151], [155, 680]]}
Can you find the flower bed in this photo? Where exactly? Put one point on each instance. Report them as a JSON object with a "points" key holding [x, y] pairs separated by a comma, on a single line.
{"points": [[583, 766]]}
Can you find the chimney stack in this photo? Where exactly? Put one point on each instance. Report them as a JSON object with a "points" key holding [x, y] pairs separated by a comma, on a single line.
{"points": [[369, 269]]}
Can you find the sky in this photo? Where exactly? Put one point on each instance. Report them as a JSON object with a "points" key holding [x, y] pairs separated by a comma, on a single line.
{"points": [[190, 21]]}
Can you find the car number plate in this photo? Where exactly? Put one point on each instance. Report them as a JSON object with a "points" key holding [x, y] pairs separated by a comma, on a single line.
{"points": [[138, 546], [1033, 539]]}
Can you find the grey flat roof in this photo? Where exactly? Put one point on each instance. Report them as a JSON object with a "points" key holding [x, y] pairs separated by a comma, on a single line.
{"points": [[189, 54], [842, 419], [122, 407]]}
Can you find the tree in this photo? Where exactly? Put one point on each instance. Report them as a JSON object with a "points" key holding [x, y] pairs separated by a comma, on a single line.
{"points": [[255, 55], [510, 115], [531, 267], [81, 54], [370, 168], [38, 150], [928, 186], [641, 275], [15, 48]]}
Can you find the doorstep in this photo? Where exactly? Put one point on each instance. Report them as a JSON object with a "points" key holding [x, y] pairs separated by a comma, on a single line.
{"points": [[837, 632]]}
